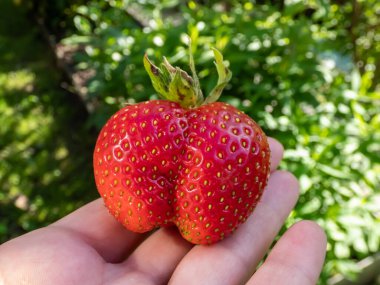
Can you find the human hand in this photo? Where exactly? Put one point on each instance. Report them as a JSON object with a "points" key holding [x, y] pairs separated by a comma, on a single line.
{"points": [[90, 247]]}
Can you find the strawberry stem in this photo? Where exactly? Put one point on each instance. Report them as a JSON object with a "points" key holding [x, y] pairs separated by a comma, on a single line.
{"points": [[197, 85], [174, 84]]}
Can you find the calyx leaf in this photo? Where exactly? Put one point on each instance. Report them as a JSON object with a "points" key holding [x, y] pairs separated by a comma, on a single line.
{"points": [[174, 84], [224, 76]]}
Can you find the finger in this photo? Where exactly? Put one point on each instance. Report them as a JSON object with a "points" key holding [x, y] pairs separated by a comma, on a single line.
{"points": [[153, 262], [169, 253], [101, 230], [277, 152], [229, 261], [98, 228], [296, 259]]}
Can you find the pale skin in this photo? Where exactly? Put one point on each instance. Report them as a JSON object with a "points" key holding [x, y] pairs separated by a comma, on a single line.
{"points": [[90, 247]]}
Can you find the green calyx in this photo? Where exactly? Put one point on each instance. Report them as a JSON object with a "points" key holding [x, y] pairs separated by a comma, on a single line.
{"points": [[174, 84]]}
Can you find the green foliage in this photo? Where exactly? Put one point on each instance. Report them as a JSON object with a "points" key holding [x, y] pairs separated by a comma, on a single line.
{"points": [[293, 71], [56, 16], [45, 163], [307, 71]]}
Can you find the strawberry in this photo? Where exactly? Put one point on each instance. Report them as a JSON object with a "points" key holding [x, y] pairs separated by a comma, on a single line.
{"points": [[198, 164]]}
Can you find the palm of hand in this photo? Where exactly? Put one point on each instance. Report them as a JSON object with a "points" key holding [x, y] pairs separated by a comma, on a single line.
{"points": [[90, 247]]}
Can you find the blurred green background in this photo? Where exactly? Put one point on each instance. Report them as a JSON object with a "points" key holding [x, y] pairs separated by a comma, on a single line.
{"points": [[307, 71]]}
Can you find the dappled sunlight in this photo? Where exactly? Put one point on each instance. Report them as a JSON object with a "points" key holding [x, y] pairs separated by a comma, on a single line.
{"points": [[37, 169], [20, 80], [307, 72]]}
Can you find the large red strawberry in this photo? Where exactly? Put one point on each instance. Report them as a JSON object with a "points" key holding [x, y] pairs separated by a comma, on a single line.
{"points": [[200, 165]]}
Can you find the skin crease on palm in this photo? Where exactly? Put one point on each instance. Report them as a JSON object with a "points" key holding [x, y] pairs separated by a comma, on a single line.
{"points": [[90, 247]]}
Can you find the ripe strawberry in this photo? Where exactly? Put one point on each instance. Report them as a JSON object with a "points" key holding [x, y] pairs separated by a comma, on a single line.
{"points": [[160, 163]]}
